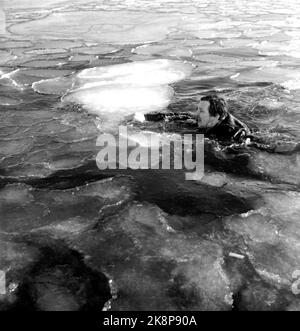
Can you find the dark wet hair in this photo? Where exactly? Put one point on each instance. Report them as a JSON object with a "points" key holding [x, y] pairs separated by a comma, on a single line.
{"points": [[217, 105]]}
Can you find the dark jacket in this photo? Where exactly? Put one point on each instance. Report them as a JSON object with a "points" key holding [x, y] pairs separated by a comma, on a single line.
{"points": [[230, 128]]}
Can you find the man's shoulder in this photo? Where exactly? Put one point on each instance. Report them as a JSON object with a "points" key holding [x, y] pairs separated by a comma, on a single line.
{"points": [[230, 128]]}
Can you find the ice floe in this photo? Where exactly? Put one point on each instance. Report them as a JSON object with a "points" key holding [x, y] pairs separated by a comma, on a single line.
{"points": [[10, 44], [286, 77], [6, 101], [128, 88], [2, 23], [100, 26], [6, 57], [235, 43], [57, 86], [123, 98], [290, 48], [163, 50], [95, 50], [9, 76], [46, 51], [151, 49], [25, 77], [216, 59], [257, 33]]}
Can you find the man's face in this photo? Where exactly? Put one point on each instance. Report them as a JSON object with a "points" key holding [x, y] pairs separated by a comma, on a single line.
{"points": [[205, 120]]}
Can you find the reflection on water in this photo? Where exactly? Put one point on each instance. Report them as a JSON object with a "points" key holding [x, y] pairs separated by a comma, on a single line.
{"points": [[70, 70]]}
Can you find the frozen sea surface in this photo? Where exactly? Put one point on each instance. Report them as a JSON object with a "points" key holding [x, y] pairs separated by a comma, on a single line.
{"points": [[73, 237]]}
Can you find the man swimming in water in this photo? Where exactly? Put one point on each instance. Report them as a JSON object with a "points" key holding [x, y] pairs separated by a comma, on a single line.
{"points": [[215, 119], [212, 118]]}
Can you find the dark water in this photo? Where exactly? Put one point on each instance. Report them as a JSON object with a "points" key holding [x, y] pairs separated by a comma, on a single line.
{"points": [[147, 239]]}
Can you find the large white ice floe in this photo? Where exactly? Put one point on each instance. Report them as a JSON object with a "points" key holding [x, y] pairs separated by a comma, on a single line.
{"points": [[128, 88]]}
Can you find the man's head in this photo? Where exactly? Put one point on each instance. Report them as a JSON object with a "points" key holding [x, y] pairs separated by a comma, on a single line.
{"points": [[211, 109]]}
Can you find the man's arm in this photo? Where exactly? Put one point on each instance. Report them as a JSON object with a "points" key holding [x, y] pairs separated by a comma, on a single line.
{"points": [[170, 116], [242, 132]]}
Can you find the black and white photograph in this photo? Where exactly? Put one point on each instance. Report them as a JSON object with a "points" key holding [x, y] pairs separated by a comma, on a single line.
{"points": [[149, 158]]}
